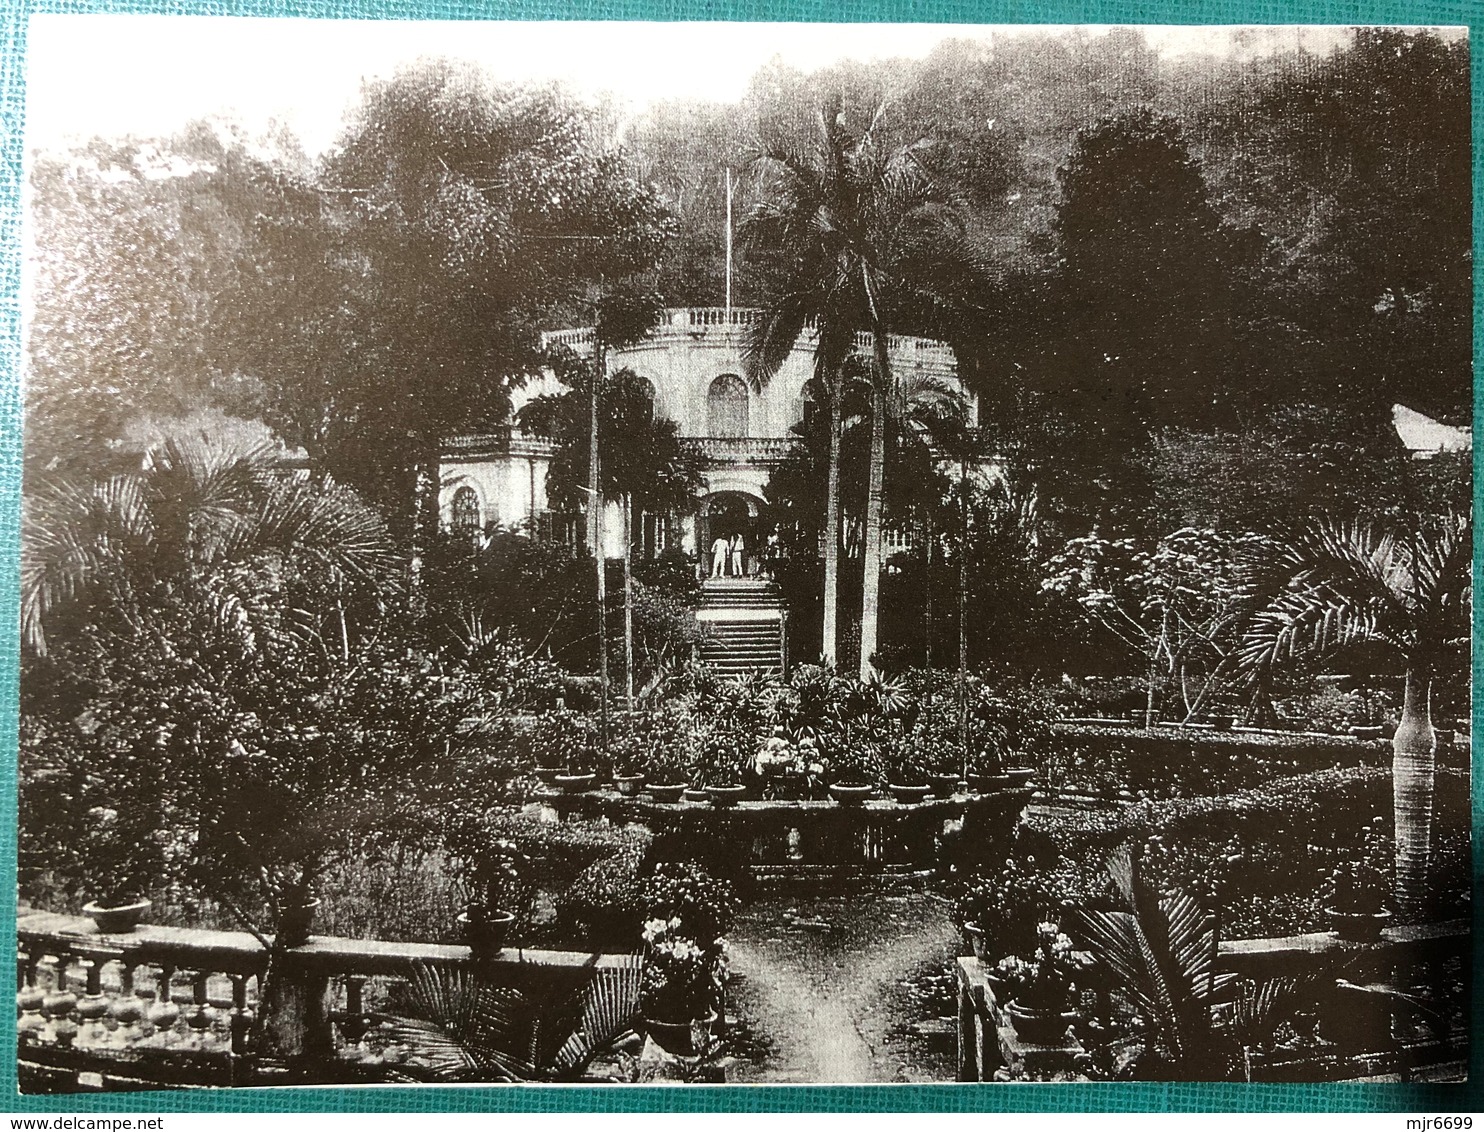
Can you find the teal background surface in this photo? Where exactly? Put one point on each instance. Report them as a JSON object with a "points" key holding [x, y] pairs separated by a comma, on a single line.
{"points": [[874, 1098]]}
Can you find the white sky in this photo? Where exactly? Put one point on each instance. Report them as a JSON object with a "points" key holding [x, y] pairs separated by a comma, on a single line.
{"points": [[148, 75]]}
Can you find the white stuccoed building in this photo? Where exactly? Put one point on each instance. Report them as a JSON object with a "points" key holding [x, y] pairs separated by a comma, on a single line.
{"points": [[693, 362]]}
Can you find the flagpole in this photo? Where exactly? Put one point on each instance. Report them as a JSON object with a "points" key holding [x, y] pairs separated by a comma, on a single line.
{"points": [[729, 253]]}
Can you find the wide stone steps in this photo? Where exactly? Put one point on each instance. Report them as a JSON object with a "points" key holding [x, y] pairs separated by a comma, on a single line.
{"points": [[743, 620]]}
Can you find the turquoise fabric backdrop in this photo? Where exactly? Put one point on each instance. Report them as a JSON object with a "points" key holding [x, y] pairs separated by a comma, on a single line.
{"points": [[879, 1098]]}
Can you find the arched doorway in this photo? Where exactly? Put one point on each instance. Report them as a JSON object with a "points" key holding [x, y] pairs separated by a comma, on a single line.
{"points": [[723, 515]]}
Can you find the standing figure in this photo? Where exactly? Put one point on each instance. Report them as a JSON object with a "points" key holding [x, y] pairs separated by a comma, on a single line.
{"points": [[739, 550], [719, 550]]}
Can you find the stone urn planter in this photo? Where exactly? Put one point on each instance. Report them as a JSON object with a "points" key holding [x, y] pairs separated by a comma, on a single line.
{"points": [[696, 794], [682, 1039], [116, 919], [1041, 1027], [725, 795], [575, 783], [974, 936], [485, 930], [851, 793], [629, 785], [1360, 927], [668, 792]]}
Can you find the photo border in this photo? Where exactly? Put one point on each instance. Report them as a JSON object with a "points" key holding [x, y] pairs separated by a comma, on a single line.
{"points": [[1092, 1098]]}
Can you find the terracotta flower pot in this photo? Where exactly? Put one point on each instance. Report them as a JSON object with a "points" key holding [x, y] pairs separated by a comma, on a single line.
{"points": [[575, 783], [851, 793], [1038, 1026], [669, 792], [695, 794], [629, 785], [682, 1039], [726, 795], [908, 794], [294, 923], [116, 919], [1361, 927], [485, 931]]}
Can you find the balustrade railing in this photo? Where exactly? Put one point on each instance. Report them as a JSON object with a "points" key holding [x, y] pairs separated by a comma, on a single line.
{"points": [[165, 1007], [704, 320], [1398, 1005]]}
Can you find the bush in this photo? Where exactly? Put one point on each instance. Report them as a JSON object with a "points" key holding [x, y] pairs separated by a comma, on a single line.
{"points": [[603, 908], [1166, 763], [705, 905]]}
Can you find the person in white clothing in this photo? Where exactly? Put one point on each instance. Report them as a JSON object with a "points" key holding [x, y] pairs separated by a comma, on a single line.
{"points": [[739, 551], [720, 547]]}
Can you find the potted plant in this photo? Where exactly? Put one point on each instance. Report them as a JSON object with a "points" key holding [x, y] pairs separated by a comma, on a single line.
{"points": [[906, 777], [998, 912], [581, 774], [688, 913], [1358, 890], [117, 871], [296, 905], [626, 752], [854, 771], [1040, 988], [667, 770], [680, 988], [498, 897]]}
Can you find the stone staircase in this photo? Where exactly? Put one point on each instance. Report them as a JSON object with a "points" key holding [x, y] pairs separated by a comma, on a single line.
{"points": [[745, 626]]}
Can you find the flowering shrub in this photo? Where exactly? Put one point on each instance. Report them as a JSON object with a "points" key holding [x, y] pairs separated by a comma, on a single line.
{"points": [[1043, 982], [705, 904], [1008, 904], [682, 979]]}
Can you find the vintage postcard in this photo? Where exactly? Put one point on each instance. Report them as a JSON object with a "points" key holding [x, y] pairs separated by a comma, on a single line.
{"points": [[622, 553]]}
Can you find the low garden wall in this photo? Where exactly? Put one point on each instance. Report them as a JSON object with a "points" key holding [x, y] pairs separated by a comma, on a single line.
{"points": [[824, 836]]}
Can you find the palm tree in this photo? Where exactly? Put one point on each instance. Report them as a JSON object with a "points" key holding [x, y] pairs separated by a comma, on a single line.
{"points": [[859, 230], [199, 520], [1339, 585]]}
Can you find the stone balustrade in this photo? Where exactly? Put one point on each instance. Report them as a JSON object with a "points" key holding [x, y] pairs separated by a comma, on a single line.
{"points": [[175, 1007], [701, 323], [1362, 1027]]}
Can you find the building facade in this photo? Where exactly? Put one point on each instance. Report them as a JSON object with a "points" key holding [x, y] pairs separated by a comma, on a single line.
{"points": [[693, 363]]}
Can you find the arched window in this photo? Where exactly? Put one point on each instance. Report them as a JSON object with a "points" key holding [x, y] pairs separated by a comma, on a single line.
{"points": [[654, 397], [726, 407], [463, 514]]}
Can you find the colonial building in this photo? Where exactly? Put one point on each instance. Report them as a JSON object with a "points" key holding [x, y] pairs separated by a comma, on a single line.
{"points": [[693, 362]]}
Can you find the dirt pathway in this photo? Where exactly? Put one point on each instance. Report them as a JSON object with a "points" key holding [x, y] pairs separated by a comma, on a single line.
{"points": [[846, 987]]}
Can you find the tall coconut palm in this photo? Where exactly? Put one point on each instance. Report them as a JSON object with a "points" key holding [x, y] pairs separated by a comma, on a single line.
{"points": [[859, 230], [1338, 585]]}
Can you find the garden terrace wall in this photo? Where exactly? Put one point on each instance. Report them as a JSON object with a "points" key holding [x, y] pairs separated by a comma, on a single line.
{"points": [[1360, 1035], [85, 999], [804, 836]]}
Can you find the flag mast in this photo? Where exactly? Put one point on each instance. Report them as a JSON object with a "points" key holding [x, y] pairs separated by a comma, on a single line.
{"points": [[729, 253]]}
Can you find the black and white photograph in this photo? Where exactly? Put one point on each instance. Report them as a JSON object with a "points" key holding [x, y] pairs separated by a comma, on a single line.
{"points": [[743, 553]]}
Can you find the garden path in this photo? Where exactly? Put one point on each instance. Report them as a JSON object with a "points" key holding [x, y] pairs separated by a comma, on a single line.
{"points": [[845, 987]]}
